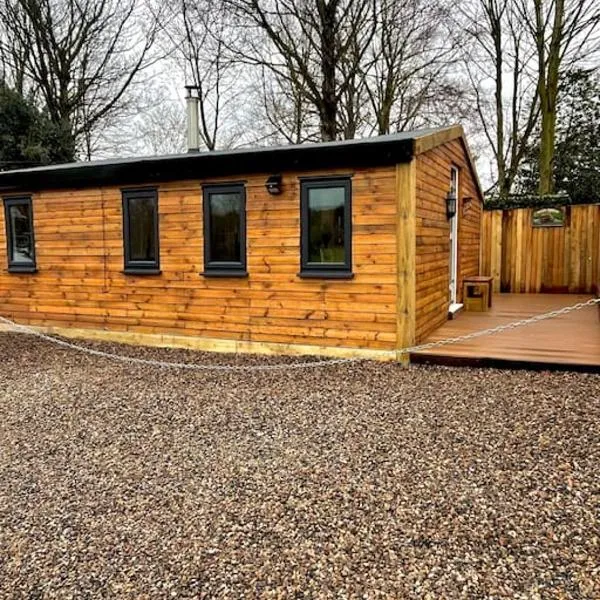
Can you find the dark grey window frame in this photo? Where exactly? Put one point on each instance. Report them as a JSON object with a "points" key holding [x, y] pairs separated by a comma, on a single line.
{"points": [[16, 266], [322, 270], [139, 267], [215, 268]]}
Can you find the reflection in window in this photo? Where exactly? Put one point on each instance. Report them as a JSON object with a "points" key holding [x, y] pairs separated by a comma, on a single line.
{"points": [[326, 220], [140, 212], [225, 217], [19, 232], [141, 229], [224, 228], [326, 225]]}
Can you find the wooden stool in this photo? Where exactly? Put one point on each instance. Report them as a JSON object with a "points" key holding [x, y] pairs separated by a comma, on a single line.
{"points": [[477, 293]]}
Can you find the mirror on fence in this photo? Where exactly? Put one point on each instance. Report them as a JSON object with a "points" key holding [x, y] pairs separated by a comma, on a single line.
{"points": [[548, 217]]}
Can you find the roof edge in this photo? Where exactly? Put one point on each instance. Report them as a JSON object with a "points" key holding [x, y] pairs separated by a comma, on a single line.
{"points": [[367, 152], [433, 140], [430, 141]]}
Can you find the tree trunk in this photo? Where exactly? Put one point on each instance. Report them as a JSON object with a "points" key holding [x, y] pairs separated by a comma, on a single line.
{"points": [[547, 139], [328, 109], [503, 184], [549, 73]]}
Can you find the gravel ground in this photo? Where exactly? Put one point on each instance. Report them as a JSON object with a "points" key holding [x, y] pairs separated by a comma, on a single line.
{"points": [[357, 481]]}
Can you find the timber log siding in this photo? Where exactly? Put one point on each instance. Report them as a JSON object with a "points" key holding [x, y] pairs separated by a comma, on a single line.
{"points": [[80, 281], [398, 291], [433, 232]]}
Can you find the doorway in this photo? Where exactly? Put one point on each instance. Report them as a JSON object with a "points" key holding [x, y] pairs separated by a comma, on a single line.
{"points": [[453, 292]]}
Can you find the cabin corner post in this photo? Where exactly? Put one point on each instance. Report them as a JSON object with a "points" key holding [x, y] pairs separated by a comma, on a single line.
{"points": [[406, 202]]}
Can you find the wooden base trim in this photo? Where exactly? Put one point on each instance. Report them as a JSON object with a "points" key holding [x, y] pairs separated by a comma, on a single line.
{"points": [[215, 345]]}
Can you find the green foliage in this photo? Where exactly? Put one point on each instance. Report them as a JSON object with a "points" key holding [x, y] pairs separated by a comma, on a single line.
{"points": [[577, 159], [27, 137], [527, 201]]}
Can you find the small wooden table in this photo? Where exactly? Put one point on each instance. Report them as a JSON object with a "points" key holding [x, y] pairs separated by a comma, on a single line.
{"points": [[477, 292]]}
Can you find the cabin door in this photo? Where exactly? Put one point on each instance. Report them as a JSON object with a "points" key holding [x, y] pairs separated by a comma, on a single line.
{"points": [[454, 240]]}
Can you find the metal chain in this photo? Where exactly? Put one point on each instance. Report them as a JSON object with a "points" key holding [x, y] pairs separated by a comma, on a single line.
{"points": [[295, 365], [500, 328]]}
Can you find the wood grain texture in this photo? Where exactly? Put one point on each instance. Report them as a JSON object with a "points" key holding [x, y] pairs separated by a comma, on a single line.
{"points": [[433, 232], [527, 259], [400, 244], [81, 284], [406, 231], [203, 344], [572, 339]]}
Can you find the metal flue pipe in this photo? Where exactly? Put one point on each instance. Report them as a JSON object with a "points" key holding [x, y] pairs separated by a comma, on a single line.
{"points": [[193, 132]]}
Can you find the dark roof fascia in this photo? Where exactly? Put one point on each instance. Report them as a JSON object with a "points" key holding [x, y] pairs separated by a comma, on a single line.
{"points": [[311, 157]]}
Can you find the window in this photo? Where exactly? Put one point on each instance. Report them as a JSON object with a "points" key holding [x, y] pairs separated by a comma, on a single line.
{"points": [[20, 240], [140, 232], [548, 217], [326, 223], [225, 231]]}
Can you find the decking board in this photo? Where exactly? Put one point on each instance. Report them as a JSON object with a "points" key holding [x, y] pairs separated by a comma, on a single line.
{"points": [[571, 339]]}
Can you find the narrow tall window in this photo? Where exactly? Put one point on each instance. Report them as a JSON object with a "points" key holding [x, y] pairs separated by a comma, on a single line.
{"points": [[20, 240], [326, 228], [140, 232], [225, 230]]}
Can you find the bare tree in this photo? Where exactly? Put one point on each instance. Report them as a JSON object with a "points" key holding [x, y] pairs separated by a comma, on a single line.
{"points": [[412, 54], [155, 125], [497, 62], [199, 32], [80, 55], [562, 32], [286, 110], [307, 42]]}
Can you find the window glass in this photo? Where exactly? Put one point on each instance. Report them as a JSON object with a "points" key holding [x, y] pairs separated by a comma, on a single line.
{"points": [[141, 242], [142, 230], [326, 228], [225, 230], [326, 222], [21, 234], [225, 214]]}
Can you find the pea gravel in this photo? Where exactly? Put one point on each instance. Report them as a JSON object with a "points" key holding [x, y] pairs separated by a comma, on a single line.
{"points": [[363, 480]]}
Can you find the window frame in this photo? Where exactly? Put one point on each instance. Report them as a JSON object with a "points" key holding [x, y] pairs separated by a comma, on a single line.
{"points": [[132, 266], [219, 268], [14, 266], [325, 270]]}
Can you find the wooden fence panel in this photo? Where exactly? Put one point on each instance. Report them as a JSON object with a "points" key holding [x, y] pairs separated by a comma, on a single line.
{"points": [[528, 259]]}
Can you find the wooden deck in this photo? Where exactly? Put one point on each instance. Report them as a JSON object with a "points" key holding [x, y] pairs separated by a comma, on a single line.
{"points": [[568, 341]]}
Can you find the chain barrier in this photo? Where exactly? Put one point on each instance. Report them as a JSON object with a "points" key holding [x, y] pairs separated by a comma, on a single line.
{"points": [[293, 365]]}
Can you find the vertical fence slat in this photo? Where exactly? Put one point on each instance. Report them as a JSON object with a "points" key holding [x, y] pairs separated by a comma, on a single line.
{"points": [[522, 258]]}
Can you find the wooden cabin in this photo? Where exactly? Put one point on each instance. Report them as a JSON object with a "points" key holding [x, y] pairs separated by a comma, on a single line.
{"points": [[342, 248]]}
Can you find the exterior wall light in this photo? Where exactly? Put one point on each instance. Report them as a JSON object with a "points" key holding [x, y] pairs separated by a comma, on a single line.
{"points": [[451, 204], [273, 185]]}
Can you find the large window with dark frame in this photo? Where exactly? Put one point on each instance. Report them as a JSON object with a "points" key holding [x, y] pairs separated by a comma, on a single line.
{"points": [[225, 230], [140, 231], [326, 227], [20, 239]]}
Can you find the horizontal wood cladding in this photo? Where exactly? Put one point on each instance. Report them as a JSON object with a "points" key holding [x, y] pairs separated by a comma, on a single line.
{"points": [[526, 259], [81, 284], [433, 232]]}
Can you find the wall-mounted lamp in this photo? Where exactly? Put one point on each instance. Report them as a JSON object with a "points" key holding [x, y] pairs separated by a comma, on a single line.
{"points": [[273, 185], [451, 204]]}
